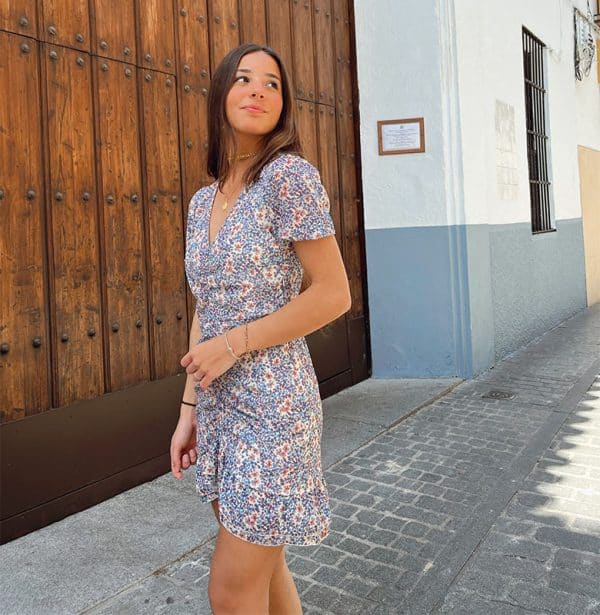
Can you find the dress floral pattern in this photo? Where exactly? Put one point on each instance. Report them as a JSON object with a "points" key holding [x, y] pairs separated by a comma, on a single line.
{"points": [[260, 423]]}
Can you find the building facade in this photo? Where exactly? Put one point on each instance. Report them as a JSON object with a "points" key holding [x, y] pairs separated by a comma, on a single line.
{"points": [[463, 268]]}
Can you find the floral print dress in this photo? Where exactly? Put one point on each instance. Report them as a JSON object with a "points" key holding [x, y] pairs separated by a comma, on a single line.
{"points": [[260, 423]]}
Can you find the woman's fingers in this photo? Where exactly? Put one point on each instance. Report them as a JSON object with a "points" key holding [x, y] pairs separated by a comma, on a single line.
{"points": [[187, 460], [177, 466], [191, 368], [183, 447]]}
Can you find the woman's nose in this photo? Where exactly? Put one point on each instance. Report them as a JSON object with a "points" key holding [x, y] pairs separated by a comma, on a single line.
{"points": [[255, 94]]}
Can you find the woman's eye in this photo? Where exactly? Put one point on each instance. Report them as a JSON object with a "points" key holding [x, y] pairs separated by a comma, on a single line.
{"points": [[273, 84], [242, 78]]}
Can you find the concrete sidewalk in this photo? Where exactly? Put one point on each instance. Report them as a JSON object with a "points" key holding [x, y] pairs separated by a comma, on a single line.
{"points": [[471, 504], [114, 550]]}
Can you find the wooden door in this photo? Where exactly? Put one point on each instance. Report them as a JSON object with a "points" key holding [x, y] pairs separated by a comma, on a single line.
{"points": [[24, 347], [105, 129], [19, 16], [165, 222], [122, 219], [121, 92], [72, 207]]}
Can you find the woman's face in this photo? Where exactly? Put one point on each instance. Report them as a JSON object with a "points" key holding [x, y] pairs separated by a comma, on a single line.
{"points": [[254, 102]]}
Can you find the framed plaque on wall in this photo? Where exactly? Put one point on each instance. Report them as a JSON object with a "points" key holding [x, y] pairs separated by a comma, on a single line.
{"points": [[401, 136]]}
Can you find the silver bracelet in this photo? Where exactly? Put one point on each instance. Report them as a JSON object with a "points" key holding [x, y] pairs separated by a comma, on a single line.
{"points": [[231, 349]]}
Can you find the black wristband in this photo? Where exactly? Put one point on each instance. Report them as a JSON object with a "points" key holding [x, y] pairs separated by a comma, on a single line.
{"points": [[187, 403]]}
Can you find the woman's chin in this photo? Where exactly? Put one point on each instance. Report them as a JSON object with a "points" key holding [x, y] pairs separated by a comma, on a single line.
{"points": [[253, 130]]}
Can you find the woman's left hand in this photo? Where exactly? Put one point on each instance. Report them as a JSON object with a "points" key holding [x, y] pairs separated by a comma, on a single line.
{"points": [[208, 360]]}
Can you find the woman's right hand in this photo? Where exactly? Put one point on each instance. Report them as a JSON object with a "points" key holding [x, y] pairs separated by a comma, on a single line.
{"points": [[184, 451]]}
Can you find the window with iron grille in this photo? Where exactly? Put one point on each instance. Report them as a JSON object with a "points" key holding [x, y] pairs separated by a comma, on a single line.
{"points": [[537, 137]]}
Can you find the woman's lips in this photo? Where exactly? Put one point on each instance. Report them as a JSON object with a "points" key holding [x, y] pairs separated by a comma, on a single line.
{"points": [[253, 109]]}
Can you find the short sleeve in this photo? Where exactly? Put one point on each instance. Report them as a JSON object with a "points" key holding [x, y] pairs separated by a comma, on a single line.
{"points": [[301, 204]]}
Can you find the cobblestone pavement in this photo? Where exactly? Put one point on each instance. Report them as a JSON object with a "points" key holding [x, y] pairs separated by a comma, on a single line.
{"points": [[471, 505]]}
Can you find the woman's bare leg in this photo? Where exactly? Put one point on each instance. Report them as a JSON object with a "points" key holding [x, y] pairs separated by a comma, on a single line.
{"points": [[240, 574], [283, 595]]}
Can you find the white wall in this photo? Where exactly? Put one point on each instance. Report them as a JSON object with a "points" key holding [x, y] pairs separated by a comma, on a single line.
{"points": [[401, 74], [490, 68], [398, 54]]}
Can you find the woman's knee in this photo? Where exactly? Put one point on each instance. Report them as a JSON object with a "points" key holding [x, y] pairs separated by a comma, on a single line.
{"points": [[228, 594], [222, 598]]}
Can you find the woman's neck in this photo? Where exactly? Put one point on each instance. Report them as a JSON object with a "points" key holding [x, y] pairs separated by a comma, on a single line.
{"points": [[242, 162], [236, 171], [247, 144]]}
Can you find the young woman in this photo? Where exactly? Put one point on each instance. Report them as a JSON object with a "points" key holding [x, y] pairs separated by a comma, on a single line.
{"points": [[251, 415]]}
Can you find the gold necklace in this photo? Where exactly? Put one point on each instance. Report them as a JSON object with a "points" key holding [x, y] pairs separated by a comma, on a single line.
{"points": [[243, 156]]}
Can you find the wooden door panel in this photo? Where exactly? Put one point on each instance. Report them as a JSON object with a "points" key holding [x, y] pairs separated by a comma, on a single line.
{"points": [[224, 29], [194, 81], [253, 20], [120, 193], [324, 52], [329, 349], [328, 164], [343, 59], [304, 66], [350, 202], [77, 333], [66, 22], [156, 35], [279, 31], [24, 351], [305, 115], [19, 16], [168, 328], [114, 24], [193, 68]]}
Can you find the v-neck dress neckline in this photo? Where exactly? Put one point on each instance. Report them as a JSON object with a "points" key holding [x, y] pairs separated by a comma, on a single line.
{"points": [[211, 244]]}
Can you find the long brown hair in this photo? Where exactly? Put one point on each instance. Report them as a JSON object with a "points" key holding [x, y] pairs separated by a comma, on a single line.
{"points": [[221, 145]]}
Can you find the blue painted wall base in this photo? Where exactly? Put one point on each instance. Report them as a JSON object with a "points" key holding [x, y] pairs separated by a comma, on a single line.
{"points": [[451, 301]]}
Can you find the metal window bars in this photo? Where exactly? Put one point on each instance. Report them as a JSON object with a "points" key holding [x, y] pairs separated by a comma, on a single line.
{"points": [[537, 139]]}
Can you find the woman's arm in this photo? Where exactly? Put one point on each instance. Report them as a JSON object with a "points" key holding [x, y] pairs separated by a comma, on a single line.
{"points": [[326, 298], [189, 393], [183, 449]]}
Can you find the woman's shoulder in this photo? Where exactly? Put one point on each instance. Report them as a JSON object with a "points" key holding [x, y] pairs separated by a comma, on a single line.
{"points": [[287, 164], [204, 190], [199, 201], [202, 193]]}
